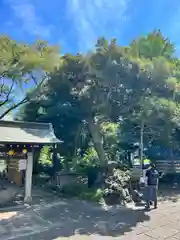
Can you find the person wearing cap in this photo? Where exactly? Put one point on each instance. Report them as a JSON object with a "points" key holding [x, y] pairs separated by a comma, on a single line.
{"points": [[152, 186]]}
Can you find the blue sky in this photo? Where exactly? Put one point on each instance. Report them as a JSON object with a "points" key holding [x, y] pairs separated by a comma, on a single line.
{"points": [[76, 24]]}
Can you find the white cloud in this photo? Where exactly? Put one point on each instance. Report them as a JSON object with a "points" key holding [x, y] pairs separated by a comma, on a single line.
{"points": [[31, 22], [94, 18]]}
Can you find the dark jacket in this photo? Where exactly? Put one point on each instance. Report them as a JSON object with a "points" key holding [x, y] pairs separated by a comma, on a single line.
{"points": [[152, 177]]}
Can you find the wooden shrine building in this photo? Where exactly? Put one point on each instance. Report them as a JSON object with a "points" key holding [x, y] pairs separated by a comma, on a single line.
{"points": [[17, 143]]}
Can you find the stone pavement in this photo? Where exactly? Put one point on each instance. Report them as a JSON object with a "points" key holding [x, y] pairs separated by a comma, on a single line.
{"points": [[73, 219]]}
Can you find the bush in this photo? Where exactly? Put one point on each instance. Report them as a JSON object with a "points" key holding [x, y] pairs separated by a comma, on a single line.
{"points": [[89, 160], [88, 165], [82, 191], [94, 195], [116, 187], [115, 191]]}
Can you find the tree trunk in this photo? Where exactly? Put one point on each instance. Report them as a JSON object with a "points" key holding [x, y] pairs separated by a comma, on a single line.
{"points": [[97, 140], [141, 146], [76, 141]]}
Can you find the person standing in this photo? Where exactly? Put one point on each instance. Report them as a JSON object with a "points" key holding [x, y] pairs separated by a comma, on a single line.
{"points": [[152, 186]]}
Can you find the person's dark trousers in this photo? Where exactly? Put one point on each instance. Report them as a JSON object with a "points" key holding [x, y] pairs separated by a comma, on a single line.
{"points": [[23, 173], [2, 179], [151, 196], [149, 203], [155, 203]]}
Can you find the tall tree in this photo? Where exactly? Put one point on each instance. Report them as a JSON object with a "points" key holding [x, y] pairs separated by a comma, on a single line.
{"points": [[156, 54], [114, 83], [90, 85]]}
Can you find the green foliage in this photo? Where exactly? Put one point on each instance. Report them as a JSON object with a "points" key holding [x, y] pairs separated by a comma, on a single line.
{"points": [[82, 192], [136, 87], [90, 158], [111, 142], [88, 165], [22, 65], [115, 187], [96, 101], [151, 46], [45, 156]]}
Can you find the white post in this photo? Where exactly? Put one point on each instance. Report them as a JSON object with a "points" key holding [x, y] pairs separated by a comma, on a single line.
{"points": [[141, 146], [28, 180]]}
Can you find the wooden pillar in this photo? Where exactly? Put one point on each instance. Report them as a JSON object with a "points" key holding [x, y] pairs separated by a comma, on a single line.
{"points": [[28, 180]]}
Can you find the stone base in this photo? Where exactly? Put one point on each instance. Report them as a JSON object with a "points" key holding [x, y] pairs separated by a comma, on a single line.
{"points": [[27, 199]]}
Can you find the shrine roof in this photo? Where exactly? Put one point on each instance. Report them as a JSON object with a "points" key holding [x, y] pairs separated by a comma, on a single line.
{"points": [[27, 132]]}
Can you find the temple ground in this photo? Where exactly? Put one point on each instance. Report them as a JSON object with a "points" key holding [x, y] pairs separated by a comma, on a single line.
{"points": [[61, 219]]}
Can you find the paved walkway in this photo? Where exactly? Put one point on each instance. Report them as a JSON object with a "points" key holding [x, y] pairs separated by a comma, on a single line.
{"points": [[72, 219]]}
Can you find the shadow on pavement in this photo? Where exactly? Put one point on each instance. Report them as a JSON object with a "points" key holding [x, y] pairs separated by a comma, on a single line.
{"points": [[73, 218], [169, 192]]}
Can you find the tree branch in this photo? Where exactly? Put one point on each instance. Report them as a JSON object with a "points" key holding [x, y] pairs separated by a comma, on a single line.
{"points": [[33, 78], [2, 75], [25, 100], [8, 94]]}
